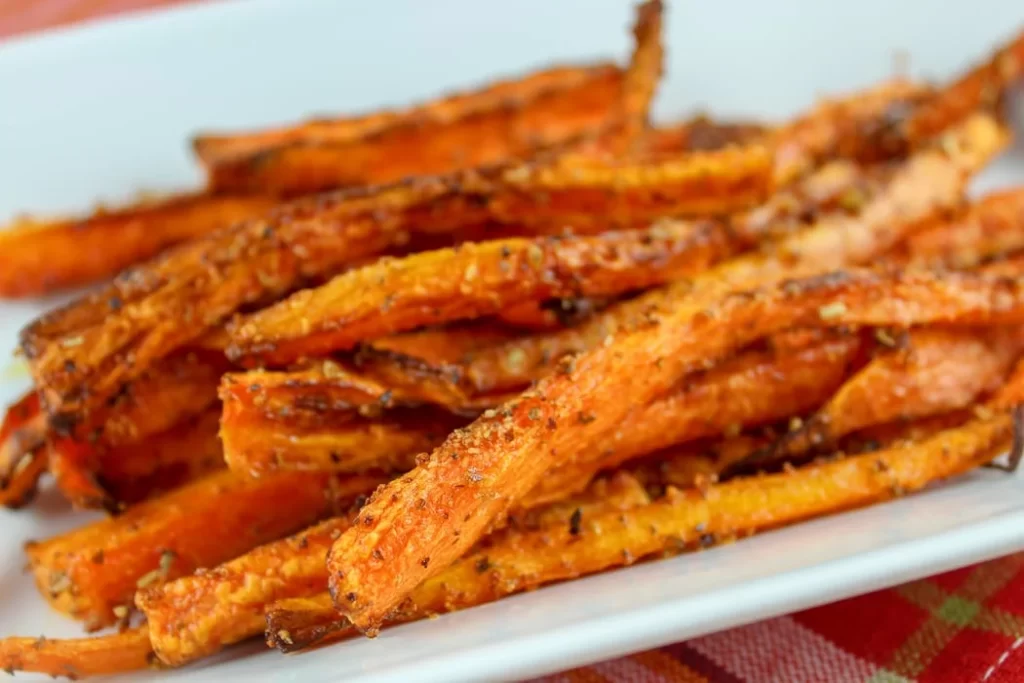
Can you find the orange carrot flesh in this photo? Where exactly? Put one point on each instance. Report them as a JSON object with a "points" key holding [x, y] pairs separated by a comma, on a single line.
{"points": [[92, 573], [679, 520], [500, 458], [22, 457], [471, 281], [40, 257], [79, 657]]}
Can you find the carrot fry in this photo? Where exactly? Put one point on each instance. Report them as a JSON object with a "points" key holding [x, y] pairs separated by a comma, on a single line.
{"points": [[161, 462], [175, 389], [73, 467], [22, 456], [936, 372], [679, 520], [990, 227], [201, 613], [928, 184], [825, 131], [444, 112], [41, 257], [643, 75], [172, 392], [92, 573], [471, 281], [755, 388], [504, 122], [981, 88], [341, 442], [332, 385], [78, 657], [197, 286], [264, 429], [198, 615], [503, 455]]}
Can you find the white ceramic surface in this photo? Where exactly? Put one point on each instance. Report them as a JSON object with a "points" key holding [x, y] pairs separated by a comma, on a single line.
{"points": [[104, 110]]}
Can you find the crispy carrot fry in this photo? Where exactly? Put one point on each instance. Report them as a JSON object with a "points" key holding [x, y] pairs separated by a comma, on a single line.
{"points": [[471, 281], [195, 616], [161, 462], [443, 112], [755, 388], [334, 385], [340, 442], [73, 467], [507, 121], [823, 132], [177, 388], [82, 353], [929, 183], [500, 458], [643, 75], [199, 614], [78, 657], [172, 392], [679, 520], [992, 226], [40, 257], [92, 573], [22, 456], [937, 371], [981, 88]]}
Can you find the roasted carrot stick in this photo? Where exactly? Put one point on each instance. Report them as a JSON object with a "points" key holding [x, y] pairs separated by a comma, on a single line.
{"points": [[642, 76], [22, 456], [335, 385], [171, 393], [507, 121], [79, 657], [929, 183], [545, 91], [826, 129], [161, 462], [500, 458], [472, 281], [935, 371], [195, 616], [306, 427], [753, 389], [980, 88], [679, 520], [174, 390], [92, 573], [198, 614], [40, 257], [990, 227], [335, 441], [177, 298]]}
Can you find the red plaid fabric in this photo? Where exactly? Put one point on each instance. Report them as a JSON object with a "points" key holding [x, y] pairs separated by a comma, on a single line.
{"points": [[966, 625], [963, 626]]}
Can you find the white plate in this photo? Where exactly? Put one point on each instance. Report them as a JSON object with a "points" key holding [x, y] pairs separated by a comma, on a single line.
{"points": [[104, 110]]}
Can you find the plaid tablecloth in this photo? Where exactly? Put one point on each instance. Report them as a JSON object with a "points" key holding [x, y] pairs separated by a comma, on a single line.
{"points": [[963, 626]]}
